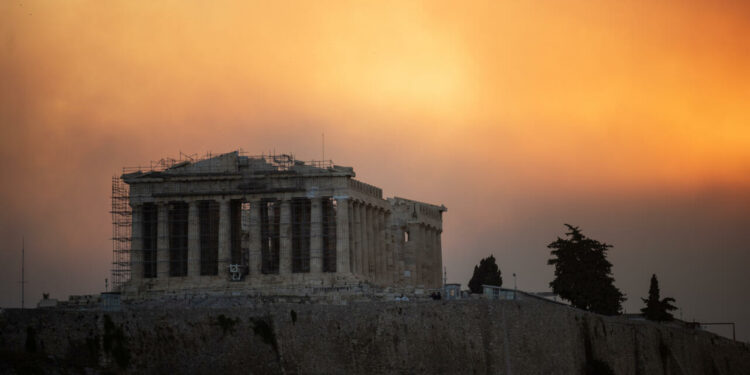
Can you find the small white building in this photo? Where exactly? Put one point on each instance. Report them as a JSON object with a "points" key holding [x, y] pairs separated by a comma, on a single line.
{"points": [[496, 292], [452, 291]]}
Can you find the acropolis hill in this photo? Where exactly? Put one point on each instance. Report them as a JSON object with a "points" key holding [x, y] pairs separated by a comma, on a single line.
{"points": [[469, 336], [266, 265]]}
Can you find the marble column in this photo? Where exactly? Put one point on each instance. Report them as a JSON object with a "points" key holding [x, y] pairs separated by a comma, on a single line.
{"points": [[439, 255], [225, 238], [255, 238], [424, 274], [316, 235], [366, 235], [162, 240], [342, 235], [376, 244], [434, 272], [414, 248], [382, 255], [194, 241], [285, 229], [359, 263], [136, 244], [350, 219]]}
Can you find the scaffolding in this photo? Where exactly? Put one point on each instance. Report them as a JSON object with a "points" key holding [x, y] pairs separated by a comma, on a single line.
{"points": [[144, 259], [121, 226]]}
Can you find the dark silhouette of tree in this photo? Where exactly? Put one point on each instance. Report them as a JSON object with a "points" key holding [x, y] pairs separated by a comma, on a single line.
{"points": [[583, 275], [487, 273], [657, 309]]}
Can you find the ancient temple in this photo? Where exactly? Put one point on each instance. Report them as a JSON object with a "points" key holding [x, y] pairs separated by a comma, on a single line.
{"points": [[265, 223]]}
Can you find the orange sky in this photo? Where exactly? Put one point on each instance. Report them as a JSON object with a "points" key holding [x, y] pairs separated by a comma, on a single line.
{"points": [[627, 118]]}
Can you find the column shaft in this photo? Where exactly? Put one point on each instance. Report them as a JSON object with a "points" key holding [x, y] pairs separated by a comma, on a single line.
{"points": [[352, 249], [376, 244], [439, 256], [367, 236], [382, 256], [255, 238], [225, 228], [430, 279], [359, 262], [162, 241], [342, 236], [194, 241], [435, 263], [285, 228], [415, 253], [316, 236], [424, 256]]}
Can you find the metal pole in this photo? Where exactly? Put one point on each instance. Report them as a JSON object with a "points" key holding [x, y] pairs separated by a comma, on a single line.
{"points": [[23, 276], [515, 286]]}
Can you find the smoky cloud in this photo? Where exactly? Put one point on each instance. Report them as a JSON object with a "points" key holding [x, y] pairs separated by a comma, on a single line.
{"points": [[629, 122]]}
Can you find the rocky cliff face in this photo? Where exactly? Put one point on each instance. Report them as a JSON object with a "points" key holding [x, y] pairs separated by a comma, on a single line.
{"points": [[466, 337]]}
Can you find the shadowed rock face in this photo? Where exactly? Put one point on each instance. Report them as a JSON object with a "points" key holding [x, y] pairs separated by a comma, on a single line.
{"points": [[474, 336]]}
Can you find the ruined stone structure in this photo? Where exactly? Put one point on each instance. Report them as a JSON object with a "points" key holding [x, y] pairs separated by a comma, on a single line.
{"points": [[258, 223]]}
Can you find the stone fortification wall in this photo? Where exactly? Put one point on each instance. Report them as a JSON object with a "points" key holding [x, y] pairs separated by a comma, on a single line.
{"points": [[467, 337]]}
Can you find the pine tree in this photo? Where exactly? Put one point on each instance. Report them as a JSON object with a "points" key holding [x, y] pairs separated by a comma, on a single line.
{"points": [[583, 275], [487, 273], [657, 309]]}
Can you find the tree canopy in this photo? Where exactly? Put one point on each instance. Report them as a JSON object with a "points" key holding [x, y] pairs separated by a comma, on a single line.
{"points": [[486, 273], [583, 275], [657, 309]]}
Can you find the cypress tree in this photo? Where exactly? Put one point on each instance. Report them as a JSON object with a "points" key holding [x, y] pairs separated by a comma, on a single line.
{"points": [[486, 273], [657, 309], [583, 275]]}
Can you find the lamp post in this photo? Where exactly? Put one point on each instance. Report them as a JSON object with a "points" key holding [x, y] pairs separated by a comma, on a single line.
{"points": [[515, 286]]}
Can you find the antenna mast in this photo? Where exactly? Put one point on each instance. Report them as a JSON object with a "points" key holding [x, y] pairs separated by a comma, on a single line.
{"points": [[23, 276], [323, 143]]}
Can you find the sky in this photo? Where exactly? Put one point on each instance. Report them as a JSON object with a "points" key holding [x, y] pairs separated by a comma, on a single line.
{"points": [[628, 119]]}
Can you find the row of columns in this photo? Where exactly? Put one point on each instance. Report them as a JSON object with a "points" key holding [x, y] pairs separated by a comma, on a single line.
{"points": [[371, 255], [423, 256], [254, 245]]}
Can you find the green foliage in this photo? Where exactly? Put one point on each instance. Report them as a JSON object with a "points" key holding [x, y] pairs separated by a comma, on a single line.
{"points": [[583, 275], [657, 309], [486, 273], [115, 343]]}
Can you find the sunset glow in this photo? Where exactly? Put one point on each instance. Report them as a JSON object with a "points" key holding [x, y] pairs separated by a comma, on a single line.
{"points": [[629, 118]]}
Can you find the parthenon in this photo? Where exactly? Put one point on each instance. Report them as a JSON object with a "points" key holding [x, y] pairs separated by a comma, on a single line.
{"points": [[233, 222]]}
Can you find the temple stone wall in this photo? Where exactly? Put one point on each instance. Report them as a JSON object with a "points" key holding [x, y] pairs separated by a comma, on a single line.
{"points": [[392, 242]]}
